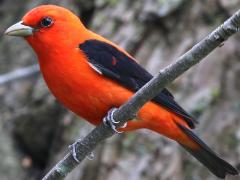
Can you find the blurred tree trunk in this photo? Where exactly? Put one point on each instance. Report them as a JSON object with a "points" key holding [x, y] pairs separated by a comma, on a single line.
{"points": [[36, 130]]}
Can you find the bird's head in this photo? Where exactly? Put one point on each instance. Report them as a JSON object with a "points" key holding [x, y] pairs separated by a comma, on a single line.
{"points": [[49, 25]]}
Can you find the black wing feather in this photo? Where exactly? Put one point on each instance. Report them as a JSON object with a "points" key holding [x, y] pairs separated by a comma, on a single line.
{"points": [[120, 67]]}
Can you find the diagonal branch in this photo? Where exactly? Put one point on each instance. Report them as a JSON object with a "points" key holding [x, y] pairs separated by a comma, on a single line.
{"points": [[146, 93]]}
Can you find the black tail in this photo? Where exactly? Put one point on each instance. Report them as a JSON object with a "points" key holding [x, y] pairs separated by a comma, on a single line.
{"points": [[207, 157]]}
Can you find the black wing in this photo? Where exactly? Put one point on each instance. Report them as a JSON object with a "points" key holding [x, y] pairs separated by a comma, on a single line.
{"points": [[109, 61]]}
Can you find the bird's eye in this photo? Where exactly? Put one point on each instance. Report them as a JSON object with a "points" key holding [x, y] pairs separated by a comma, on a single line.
{"points": [[46, 22]]}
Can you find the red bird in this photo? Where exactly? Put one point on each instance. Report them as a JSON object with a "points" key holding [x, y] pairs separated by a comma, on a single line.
{"points": [[90, 75]]}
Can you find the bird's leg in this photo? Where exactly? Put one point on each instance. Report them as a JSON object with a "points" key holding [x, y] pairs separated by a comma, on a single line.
{"points": [[72, 148], [110, 121]]}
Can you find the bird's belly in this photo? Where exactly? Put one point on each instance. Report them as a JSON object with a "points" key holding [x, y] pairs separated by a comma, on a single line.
{"points": [[89, 103], [89, 96]]}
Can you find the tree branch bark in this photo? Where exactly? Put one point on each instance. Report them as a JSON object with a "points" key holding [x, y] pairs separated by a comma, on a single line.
{"points": [[19, 74], [128, 110]]}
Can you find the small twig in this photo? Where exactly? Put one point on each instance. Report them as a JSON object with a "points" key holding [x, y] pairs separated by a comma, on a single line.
{"points": [[19, 74], [146, 93]]}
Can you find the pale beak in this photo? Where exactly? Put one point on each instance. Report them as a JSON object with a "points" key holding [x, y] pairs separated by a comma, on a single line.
{"points": [[19, 29]]}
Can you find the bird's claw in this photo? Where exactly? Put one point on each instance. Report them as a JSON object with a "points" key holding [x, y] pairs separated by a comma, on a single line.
{"points": [[110, 115], [72, 148], [110, 121]]}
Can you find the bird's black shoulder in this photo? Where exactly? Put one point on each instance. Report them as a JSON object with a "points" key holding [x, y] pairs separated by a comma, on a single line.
{"points": [[119, 66], [115, 64]]}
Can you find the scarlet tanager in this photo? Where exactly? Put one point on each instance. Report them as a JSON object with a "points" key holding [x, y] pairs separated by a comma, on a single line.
{"points": [[90, 75]]}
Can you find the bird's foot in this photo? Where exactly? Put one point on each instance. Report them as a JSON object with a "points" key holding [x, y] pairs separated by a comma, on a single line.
{"points": [[111, 122], [72, 148]]}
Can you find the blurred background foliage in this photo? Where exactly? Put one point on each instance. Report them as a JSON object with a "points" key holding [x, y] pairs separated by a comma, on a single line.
{"points": [[35, 130]]}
